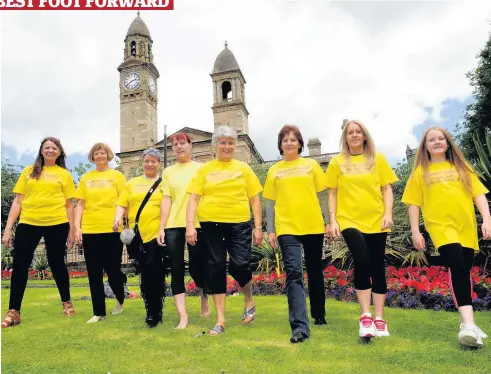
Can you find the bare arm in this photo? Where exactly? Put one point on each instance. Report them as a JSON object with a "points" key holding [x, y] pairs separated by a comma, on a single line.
{"points": [[332, 204], [69, 212], [257, 211], [413, 212], [164, 211], [192, 207], [14, 212], [79, 210], [483, 206], [388, 199]]}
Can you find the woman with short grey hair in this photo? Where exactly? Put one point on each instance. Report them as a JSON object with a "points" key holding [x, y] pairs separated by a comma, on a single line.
{"points": [[145, 223], [225, 190]]}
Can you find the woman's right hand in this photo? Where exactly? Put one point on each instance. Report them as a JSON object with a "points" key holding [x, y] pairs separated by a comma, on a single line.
{"points": [[7, 237], [78, 236], [191, 235], [273, 240], [161, 238], [418, 241], [334, 230], [116, 224]]}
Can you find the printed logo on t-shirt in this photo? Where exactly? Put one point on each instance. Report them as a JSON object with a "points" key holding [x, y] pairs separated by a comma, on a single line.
{"points": [[52, 177], [222, 176], [99, 183], [358, 168], [293, 171], [444, 176]]}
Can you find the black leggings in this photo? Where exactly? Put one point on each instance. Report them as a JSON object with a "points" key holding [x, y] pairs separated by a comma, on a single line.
{"points": [[368, 251], [152, 277], [175, 239], [459, 261], [27, 238], [103, 254]]}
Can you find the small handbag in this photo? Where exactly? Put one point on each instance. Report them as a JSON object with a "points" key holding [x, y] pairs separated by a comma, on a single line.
{"points": [[131, 237]]}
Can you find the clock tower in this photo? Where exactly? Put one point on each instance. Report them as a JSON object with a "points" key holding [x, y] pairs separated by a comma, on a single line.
{"points": [[138, 90]]}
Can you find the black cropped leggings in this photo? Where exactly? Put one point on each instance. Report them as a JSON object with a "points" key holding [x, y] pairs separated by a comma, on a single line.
{"points": [[368, 251]]}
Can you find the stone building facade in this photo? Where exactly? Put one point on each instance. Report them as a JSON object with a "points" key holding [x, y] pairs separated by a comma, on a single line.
{"points": [[139, 104]]}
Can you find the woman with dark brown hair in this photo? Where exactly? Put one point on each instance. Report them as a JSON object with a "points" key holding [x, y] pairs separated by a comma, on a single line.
{"points": [[295, 189], [43, 199]]}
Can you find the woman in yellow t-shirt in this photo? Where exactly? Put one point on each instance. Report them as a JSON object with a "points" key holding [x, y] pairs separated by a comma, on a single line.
{"points": [[294, 188], [360, 209], [151, 257], [445, 188], [43, 199], [175, 181], [97, 194], [225, 190]]}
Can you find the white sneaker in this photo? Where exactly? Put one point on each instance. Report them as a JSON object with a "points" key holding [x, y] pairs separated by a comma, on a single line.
{"points": [[95, 319], [469, 336], [381, 327], [367, 327], [480, 333], [118, 309]]}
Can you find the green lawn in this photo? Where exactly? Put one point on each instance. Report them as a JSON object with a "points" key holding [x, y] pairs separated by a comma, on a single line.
{"points": [[47, 342]]}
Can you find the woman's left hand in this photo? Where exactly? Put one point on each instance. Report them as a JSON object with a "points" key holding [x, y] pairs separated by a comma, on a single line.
{"points": [[486, 229], [71, 239], [258, 235]]}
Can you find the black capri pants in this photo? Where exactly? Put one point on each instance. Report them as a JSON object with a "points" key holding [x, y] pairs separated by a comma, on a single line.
{"points": [[368, 251], [222, 238]]}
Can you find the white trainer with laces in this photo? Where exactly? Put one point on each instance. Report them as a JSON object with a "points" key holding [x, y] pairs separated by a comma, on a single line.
{"points": [[381, 327], [469, 335], [367, 326], [95, 319]]}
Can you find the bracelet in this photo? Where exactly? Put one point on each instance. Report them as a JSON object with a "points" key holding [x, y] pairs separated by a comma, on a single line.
{"points": [[258, 228]]}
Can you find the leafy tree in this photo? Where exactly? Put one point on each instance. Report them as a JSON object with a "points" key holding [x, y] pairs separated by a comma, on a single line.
{"points": [[477, 117], [10, 174]]}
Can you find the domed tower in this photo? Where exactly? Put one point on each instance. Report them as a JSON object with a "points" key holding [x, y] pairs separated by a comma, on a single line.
{"points": [[228, 92], [138, 89]]}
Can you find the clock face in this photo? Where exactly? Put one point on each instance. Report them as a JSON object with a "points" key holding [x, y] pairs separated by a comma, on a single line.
{"points": [[131, 81], [152, 85]]}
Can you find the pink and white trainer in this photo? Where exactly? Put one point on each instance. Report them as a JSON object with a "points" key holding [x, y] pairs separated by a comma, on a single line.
{"points": [[367, 326], [381, 327]]}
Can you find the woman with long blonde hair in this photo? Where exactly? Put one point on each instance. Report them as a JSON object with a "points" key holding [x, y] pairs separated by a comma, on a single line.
{"points": [[445, 187], [360, 209]]}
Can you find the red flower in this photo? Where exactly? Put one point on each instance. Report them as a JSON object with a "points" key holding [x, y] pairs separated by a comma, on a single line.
{"points": [[474, 295], [342, 282]]}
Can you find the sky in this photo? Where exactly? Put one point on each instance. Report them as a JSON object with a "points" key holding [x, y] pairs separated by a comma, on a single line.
{"points": [[399, 67]]}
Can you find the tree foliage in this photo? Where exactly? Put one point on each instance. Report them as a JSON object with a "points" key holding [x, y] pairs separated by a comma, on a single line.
{"points": [[10, 174], [477, 117]]}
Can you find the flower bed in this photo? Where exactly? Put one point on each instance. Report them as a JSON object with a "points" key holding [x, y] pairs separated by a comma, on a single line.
{"points": [[45, 274], [408, 288]]}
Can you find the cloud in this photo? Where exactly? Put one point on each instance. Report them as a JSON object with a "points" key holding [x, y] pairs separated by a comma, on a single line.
{"points": [[392, 65]]}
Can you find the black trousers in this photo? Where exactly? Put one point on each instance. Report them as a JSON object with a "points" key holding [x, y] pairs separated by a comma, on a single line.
{"points": [[222, 238], [291, 249], [152, 277], [27, 238], [368, 251], [175, 240], [103, 254], [459, 261]]}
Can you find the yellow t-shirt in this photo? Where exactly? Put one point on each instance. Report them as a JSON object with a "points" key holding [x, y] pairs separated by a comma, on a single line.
{"points": [[447, 207], [294, 186], [225, 189], [175, 181], [133, 194], [360, 203], [45, 199], [100, 190]]}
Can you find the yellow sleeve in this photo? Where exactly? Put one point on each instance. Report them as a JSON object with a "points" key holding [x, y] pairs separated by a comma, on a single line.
{"points": [[477, 186], [124, 195], [270, 185], [69, 186], [197, 184], [413, 193], [253, 185], [20, 186], [319, 177], [332, 174], [120, 183], [164, 186], [81, 190], [386, 174]]}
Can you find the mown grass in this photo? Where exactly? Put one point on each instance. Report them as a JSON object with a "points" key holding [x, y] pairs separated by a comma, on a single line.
{"points": [[422, 341]]}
